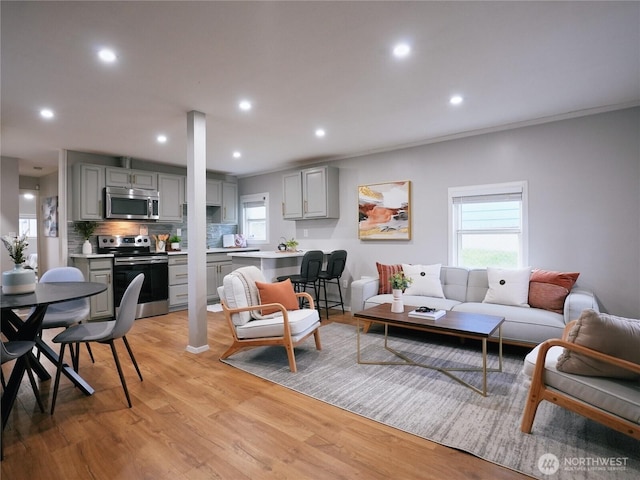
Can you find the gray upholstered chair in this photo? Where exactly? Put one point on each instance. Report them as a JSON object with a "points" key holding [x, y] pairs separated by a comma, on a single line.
{"points": [[20, 349], [104, 332], [240, 299]]}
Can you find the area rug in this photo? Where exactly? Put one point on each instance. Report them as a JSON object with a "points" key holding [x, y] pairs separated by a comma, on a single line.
{"points": [[428, 404]]}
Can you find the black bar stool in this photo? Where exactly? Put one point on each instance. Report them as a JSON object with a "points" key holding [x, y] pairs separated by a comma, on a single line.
{"points": [[335, 267], [308, 276]]}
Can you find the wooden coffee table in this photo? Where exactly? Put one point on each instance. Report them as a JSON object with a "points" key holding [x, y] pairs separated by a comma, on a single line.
{"points": [[459, 324]]}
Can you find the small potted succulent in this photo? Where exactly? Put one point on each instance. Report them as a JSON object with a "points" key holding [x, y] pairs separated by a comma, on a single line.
{"points": [[174, 241], [291, 245]]}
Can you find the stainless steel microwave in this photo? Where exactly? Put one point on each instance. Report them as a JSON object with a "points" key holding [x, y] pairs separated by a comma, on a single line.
{"points": [[131, 204]]}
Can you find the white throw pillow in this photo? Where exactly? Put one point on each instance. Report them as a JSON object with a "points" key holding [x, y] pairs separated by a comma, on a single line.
{"points": [[508, 287], [425, 280]]}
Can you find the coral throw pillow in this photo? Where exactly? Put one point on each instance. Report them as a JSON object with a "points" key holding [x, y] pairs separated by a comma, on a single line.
{"points": [[384, 275], [280, 292], [548, 289], [615, 336]]}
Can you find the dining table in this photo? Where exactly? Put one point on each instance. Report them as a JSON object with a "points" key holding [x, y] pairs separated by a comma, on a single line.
{"points": [[15, 327]]}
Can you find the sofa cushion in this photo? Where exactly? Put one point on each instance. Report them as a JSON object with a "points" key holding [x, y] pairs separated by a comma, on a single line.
{"points": [[278, 292], [548, 289], [508, 287], [384, 275], [300, 322], [425, 280], [615, 336], [618, 397]]}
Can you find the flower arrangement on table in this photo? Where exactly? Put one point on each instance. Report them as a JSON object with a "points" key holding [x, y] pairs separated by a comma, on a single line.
{"points": [[16, 246], [399, 281]]}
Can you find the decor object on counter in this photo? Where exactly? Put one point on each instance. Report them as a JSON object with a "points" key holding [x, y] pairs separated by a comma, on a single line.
{"points": [[174, 243], [384, 211], [86, 229], [161, 242], [20, 279], [240, 240], [292, 245], [50, 217], [399, 282]]}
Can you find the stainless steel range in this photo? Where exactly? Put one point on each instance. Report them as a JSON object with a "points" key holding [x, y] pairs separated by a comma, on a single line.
{"points": [[133, 255]]}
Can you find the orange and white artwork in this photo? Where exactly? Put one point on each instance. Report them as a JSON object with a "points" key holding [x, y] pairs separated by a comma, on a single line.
{"points": [[384, 211]]}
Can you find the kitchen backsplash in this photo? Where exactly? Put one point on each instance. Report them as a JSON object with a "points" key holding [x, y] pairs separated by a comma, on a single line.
{"points": [[215, 231]]}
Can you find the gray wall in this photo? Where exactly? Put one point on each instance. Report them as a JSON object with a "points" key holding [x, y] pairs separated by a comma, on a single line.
{"points": [[584, 200]]}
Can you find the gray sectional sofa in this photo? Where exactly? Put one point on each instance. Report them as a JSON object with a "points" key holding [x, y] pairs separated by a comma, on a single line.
{"points": [[464, 291]]}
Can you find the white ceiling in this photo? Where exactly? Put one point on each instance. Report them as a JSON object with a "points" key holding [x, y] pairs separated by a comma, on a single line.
{"points": [[304, 65]]}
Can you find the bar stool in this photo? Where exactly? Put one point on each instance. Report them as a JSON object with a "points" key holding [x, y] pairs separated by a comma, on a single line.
{"points": [[308, 276], [335, 267]]}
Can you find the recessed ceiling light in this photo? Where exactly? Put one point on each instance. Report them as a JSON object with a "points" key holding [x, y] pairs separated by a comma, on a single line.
{"points": [[236, 154], [401, 50], [320, 132], [46, 113], [161, 138], [245, 105], [107, 55], [456, 100]]}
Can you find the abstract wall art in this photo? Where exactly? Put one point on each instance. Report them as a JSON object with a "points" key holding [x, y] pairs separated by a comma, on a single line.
{"points": [[50, 217], [385, 211]]}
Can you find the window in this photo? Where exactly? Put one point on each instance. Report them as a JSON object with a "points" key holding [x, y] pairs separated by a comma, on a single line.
{"points": [[488, 225], [254, 210], [29, 226]]}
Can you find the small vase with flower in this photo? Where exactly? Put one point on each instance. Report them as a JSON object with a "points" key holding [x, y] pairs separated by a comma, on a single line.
{"points": [[20, 279], [399, 282]]}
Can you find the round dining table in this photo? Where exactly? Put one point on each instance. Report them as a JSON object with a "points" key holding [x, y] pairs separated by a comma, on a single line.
{"points": [[14, 327]]}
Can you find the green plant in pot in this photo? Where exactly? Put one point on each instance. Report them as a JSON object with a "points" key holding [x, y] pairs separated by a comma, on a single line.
{"points": [[291, 244], [399, 281], [174, 241], [86, 229]]}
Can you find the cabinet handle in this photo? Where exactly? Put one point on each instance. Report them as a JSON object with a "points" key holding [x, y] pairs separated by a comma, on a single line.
{"points": [[305, 206], [283, 208], [109, 279], [224, 213], [182, 275]]}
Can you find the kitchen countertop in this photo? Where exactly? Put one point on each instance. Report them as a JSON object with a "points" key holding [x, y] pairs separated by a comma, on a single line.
{"points": [[217, 250], [268, 254], [91, 255]]}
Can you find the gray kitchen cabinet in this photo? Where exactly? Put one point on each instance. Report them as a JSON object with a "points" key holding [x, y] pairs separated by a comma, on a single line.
{"points": [[218, 265], [87, 188], [124, 177], [171, 191], [214, 192], [178, 282], [311, 193], [98, 270], [229, 202]]}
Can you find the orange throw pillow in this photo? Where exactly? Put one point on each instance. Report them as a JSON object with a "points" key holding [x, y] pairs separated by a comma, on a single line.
{"points": [[548, 290], [384, 276], [280, 292]]}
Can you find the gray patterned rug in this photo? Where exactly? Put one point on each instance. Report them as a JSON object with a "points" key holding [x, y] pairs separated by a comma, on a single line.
{"points": [[430, 405]]}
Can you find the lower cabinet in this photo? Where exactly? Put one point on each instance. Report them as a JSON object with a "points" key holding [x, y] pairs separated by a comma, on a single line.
{"points": [[218, 265], [98, 270]]}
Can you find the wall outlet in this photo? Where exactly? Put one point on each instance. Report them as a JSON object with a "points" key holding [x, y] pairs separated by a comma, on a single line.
{"points": [[178, 232], [305, 232], [345, 284]]}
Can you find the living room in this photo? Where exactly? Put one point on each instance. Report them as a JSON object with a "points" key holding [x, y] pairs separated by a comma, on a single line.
{"points": [[194, 414]]}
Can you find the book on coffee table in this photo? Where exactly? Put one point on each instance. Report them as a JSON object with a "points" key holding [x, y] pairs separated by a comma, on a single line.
{"points": [[430, 315]]}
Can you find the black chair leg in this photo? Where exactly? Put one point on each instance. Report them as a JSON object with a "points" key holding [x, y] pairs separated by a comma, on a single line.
{"points": [[122, 380], [90, 353], [133, 359], [34, 386], [340, 292], [57, 382]]}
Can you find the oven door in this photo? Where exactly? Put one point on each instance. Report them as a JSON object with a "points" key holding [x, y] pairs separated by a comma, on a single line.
{"points": [[154, 296]]}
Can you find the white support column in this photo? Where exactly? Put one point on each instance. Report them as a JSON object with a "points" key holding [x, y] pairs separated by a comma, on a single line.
{"points": [[197, 227]]}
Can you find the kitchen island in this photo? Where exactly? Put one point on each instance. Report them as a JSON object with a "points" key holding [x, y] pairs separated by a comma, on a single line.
{"points": [[273, 264]]}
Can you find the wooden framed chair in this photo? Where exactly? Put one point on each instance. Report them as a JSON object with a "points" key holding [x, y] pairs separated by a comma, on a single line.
{"points": [[242, 309]]}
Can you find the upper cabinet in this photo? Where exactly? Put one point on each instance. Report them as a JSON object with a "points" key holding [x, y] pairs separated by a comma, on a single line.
{"points": [[171, 191], [229, 202], [214, 192], [124, 177], [87, 188], [311, 193]]}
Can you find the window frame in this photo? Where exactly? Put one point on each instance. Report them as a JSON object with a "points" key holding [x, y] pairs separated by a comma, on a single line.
{"points": [[507, 188], [254, 198]]}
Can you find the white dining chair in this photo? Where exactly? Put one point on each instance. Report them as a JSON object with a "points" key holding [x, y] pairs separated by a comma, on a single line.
{"points": [[104, 332]]}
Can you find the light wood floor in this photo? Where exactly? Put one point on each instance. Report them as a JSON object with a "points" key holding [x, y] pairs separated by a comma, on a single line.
{"points": [[194, 417]]}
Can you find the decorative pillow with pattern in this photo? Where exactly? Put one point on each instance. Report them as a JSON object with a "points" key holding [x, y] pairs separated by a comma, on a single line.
{"points": [[425, 280], [615, 336], [548, 289], [508, 287], [384, 276]]}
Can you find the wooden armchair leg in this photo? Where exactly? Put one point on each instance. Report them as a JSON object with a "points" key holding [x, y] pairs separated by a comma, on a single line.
{"points": [[292, 358], [316, 336]]}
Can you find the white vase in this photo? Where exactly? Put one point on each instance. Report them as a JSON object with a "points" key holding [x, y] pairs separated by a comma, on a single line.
{"points": [[87, 249], [18, 280], [397, 305]]}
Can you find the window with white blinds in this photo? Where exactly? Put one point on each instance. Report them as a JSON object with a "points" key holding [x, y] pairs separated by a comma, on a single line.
{"points": [[488, 226], [254, 211]]}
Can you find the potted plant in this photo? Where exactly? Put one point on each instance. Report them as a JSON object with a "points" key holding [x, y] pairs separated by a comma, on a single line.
{"points": [[399, 282], [86, 229], [291, 244], [18, 280], [174, 241]]}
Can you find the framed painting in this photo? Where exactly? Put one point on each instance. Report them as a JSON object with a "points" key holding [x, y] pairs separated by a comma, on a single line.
{"points": [[50, 217], [385, 211]]}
